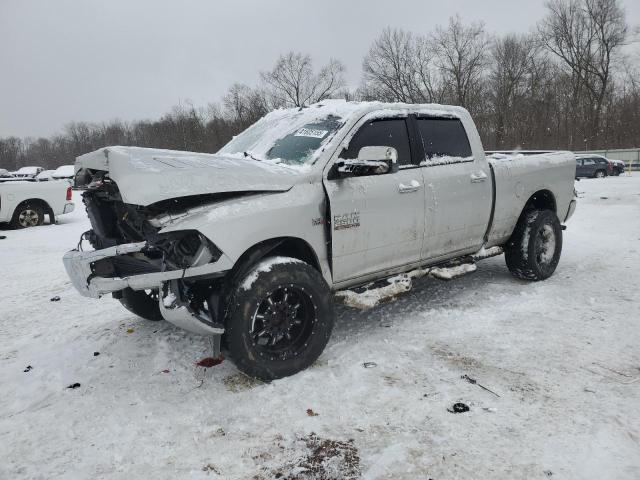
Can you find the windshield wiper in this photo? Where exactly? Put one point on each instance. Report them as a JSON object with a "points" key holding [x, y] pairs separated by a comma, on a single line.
{"points": [[250, 155]]}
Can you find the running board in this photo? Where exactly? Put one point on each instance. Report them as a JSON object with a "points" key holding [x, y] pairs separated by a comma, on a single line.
{"points": [[449, 273], [373, 294], [487, 253]]}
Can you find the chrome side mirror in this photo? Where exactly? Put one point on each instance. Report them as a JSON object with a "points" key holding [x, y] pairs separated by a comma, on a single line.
{"points": [[371, 161]]}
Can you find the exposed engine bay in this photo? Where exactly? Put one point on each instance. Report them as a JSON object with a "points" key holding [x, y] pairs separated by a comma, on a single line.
{"points": [[134, 232], [115, 222]]}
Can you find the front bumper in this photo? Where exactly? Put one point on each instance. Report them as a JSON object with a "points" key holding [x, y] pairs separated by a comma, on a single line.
{"points": [[173, 307], [78, 266]]}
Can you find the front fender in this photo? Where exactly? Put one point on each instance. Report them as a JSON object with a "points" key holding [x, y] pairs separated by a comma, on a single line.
{"points": [[236, 225]]}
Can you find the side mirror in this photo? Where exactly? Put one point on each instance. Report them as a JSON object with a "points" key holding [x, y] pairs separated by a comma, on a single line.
{"points": [[370, 161]]}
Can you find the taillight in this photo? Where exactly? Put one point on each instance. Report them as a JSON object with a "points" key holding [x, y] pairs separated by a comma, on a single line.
{"points": [[69, 194]]}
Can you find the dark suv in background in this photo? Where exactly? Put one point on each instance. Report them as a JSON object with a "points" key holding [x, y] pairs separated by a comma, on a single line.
{"points": [[593, 166]]}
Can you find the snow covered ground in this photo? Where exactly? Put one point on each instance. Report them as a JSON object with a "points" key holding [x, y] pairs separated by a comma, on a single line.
{"points": [[562, 357]]}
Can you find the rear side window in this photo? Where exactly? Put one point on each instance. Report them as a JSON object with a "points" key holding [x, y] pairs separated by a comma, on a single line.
{"points": [[390, 132], [588, 161], [444, 139]]}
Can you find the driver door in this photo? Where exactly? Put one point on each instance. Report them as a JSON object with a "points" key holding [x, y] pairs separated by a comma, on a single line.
{"points": [[377, 220]]}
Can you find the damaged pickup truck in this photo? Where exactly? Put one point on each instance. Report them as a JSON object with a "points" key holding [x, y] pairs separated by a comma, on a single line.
{"points": [[249, 244]]}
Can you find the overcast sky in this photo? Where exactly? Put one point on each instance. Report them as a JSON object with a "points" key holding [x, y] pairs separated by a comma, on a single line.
{"points": [[92, 60]]}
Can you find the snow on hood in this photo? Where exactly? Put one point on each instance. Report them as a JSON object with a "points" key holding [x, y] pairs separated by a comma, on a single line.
{"points": [[147, 175]]}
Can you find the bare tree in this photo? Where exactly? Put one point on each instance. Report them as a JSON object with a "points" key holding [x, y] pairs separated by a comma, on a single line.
{"points": [[399, 68], [11, 153], [292, 81], [568, 86], [511, 61], [586, 35], [461, 56], [244, 104]]}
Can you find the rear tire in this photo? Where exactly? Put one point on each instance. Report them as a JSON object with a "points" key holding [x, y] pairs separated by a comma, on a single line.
{"points": [[279, 319], [27, 215], [143, 303], [533, 251]]}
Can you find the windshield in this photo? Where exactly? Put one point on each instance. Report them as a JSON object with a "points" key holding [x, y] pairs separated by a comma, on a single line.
{"points": [[293, 138]]}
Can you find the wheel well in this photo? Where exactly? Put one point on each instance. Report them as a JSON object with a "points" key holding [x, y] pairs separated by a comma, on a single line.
{"points": [[38, 201], [541, 200], [284, 246], [297, 248]]}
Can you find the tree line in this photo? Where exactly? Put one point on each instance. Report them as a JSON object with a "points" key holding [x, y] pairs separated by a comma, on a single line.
{"points": [[571, 83]]}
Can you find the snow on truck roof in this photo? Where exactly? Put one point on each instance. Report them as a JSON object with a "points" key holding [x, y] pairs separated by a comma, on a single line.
{"points": [[283, 121], [297, 136], [344, 109]]}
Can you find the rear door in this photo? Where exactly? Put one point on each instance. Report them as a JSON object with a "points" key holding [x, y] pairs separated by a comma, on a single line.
{"points": [[588, 167], [458, 188], [377, 220]]}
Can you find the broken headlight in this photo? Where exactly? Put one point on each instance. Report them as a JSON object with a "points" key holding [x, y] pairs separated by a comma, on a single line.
{"points": [[187, 249]]}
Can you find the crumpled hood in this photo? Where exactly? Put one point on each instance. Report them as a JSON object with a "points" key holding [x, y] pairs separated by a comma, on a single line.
{"points": [[148, 175]]}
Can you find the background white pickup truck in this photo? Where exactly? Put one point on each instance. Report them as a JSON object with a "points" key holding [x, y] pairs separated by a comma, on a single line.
{"points": [[25, 204], [251, 241]]}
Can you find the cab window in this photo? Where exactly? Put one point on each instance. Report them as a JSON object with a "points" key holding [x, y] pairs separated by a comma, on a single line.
{"points": [[390, 132], [444, 138]]}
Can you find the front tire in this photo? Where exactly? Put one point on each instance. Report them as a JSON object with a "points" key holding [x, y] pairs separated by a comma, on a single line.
{"points": [[143, 303], [600, 174], [279, 319], [533, 251], [27, 215]]}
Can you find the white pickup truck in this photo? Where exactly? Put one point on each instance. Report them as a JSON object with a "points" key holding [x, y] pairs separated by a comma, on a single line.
{"points": [[24, 204], [248, 244]]}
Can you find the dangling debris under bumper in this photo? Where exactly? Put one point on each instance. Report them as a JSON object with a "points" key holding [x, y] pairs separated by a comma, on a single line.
{"points": [[177, 310]]}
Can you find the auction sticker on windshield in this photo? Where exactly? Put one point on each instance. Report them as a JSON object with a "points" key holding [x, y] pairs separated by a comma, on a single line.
{"points": [[311, 132]]}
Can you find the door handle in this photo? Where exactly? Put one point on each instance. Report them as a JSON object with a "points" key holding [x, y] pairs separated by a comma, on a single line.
{"points": [[414, 186], [478, 177]]}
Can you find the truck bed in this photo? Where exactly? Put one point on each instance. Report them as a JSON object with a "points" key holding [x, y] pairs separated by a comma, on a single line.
{"points": [[516, 177]]}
